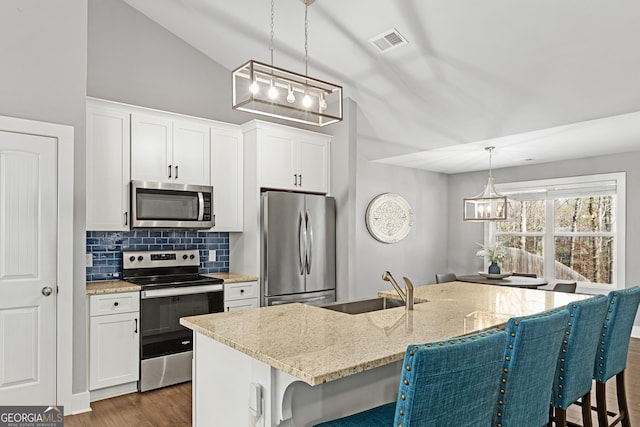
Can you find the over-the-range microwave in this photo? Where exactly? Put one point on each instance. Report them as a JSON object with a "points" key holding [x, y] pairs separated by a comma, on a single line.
{"points": [[164, 205]]}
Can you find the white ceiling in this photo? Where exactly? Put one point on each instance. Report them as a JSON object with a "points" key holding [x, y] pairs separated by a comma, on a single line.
{"points": [[542, 80]]}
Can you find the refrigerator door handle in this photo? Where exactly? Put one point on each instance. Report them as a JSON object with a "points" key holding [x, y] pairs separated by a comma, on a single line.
{"points": [[302, 243], [309, 249]]}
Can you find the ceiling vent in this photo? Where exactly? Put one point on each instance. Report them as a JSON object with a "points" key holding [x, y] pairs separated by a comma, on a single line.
{"points": [[388, 40]]}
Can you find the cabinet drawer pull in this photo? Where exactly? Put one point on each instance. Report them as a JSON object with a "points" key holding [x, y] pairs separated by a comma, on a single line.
{"points": [[176, 172], [115, 304], [135, 331], [169, 171], [126, 218]]}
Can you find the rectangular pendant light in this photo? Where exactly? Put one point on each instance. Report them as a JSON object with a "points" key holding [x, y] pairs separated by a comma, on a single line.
{"points": [[275, 92]]}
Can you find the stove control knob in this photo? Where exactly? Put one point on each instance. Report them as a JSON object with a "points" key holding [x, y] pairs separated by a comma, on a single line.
{"points": [[140, 258], [132, 258], [184, 256], [191, 256]]}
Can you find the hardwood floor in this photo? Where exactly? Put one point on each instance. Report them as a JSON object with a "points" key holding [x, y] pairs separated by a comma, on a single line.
{"points": [[171, 406], [165, 407]]}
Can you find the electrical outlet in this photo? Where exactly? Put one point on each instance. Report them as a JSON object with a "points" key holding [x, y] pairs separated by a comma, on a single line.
{"points": [[212, 255], [89, 260]]}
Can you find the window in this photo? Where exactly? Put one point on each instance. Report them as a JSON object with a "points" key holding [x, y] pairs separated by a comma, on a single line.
{"points": [[569, 229]]}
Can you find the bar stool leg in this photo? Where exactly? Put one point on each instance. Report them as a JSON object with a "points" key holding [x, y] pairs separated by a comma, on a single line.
{"points": [[601, 404], [587, 421], [622, 400], [560, 417]]}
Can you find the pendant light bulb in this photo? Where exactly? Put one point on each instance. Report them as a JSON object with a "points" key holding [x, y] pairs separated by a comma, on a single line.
{"points": [[290, 96], [273, 92], [322, 103], [254, 87], [306, 101]]}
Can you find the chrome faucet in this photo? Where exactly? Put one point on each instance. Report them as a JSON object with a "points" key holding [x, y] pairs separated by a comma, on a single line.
{"points": [[405, 296]]}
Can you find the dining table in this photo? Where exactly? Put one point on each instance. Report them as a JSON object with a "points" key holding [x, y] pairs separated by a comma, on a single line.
{"points": [[515, 281]]}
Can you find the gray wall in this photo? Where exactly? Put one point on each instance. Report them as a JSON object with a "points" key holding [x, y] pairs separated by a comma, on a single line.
{"points": [[422, 253], [43, 77], [463, 236]]}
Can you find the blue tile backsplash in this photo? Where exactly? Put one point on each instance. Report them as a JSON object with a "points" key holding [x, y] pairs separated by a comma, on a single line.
{"points": [[106, 249]]}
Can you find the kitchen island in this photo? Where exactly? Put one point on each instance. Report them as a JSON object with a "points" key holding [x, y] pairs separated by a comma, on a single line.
{"points": [[310, 364]]}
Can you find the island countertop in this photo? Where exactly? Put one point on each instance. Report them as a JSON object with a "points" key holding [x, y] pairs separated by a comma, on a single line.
{"points": [[318, 345]]}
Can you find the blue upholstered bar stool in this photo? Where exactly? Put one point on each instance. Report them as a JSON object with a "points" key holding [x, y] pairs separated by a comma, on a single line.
{"points": [[447, 383], [574, 373], [611, 358], [529, 364]]}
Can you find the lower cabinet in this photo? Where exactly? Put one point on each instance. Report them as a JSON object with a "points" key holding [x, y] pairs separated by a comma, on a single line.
{"points": [[240, 296], [114, 344]]}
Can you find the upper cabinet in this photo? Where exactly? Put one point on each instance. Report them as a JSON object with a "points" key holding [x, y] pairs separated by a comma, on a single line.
{"points": [[227, 177], [290, 158], [167, 150], [126, 142], [108, 144]]}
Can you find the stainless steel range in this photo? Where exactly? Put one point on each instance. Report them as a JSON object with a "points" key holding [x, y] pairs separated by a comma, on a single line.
{"points": [[171, 289]]}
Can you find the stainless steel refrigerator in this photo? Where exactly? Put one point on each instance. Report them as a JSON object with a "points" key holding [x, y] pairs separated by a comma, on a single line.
{"points": [[297, 248]]}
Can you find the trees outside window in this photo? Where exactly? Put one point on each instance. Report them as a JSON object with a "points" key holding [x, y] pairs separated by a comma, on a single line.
{"points": [[565, 229]]}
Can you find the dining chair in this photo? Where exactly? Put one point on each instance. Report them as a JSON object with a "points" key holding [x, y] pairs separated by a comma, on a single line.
{"points": [[568, 287], [445, 277], [442, 383], [534, 275], [529, 365], [574, 373], [611, 357]]}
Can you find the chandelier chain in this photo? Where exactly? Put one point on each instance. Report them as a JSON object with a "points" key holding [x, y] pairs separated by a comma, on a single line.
{"points": [[306, 38], [272, 26]]}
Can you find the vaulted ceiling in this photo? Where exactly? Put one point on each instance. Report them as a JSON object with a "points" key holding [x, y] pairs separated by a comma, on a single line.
{"points": [[541, 80]]}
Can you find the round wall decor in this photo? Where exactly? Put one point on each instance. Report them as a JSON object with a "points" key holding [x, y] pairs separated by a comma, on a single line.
{"points": [[389, 217]]}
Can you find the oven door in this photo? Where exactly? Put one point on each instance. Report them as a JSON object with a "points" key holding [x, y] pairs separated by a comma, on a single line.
{"points": [[160, 313]]}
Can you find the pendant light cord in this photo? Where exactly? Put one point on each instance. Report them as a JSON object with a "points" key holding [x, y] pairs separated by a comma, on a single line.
{"points": [[306, 38], [271, 40], [490, 150]]}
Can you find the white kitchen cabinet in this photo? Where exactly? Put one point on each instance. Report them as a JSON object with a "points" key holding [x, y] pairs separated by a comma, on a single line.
{"points": [[227, 177], [290, 158], [241, 296], [167, 150], [114, 349], [108, 171]]}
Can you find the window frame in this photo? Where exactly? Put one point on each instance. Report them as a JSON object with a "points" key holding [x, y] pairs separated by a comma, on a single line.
{"points": [[580, 186]]}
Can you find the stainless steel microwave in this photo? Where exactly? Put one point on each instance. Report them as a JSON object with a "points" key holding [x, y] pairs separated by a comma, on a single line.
{"points": [[163, 205]]}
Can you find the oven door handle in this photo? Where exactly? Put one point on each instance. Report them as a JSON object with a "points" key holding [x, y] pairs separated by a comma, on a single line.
{"points": [[189, 290]]}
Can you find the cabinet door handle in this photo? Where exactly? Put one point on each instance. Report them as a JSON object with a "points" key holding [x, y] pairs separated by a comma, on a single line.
{"points": [[300, 181], [126, 218], [295, 179], [169, 171], [176, 172], [135, 330]]}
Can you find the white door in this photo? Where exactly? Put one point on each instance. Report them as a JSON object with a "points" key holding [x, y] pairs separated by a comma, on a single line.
{"points": [[28, 240]]}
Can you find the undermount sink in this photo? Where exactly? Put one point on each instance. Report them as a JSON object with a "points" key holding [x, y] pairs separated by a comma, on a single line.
{"points": [[366, 305]]}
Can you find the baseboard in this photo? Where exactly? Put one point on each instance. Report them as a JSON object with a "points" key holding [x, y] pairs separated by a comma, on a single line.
{"points": [[79, 404], [113, 391], [635, 332]]}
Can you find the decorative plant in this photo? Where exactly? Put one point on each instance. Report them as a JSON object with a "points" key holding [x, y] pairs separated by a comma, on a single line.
{"points": [[494, 253]]}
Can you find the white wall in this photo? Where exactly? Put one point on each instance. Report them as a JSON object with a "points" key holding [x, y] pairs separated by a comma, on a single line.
{"points": [[463, 236], [43, 77]]}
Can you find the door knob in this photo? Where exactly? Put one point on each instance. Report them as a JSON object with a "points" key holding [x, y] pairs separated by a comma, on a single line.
{"points": [[46, 291]]}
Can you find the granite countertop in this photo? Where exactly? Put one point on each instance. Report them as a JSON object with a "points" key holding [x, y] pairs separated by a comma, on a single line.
{"points": [[110, 287], [318, 345], [116, 286]]}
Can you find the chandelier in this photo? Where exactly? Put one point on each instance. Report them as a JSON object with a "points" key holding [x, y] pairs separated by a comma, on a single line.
{"points": [[271, 91], [488, 205]]}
